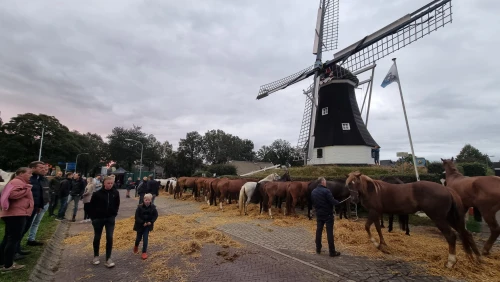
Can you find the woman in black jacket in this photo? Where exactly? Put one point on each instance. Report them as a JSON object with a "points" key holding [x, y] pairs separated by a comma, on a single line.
{"points": [[145, 217], [103, 209]]}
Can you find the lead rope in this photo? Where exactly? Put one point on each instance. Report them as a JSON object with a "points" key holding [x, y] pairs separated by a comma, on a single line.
{"points": [[345, 200]]}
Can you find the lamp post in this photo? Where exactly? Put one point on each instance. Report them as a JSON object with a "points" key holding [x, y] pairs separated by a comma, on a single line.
{"points": [[41, 144], [76, 162], [142, 148]]}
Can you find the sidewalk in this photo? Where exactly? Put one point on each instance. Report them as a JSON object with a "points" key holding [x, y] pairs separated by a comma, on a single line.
{"points": [[268, 253]]}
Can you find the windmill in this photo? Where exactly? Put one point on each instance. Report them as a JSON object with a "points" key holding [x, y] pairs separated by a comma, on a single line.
{"points": [[337, 133]]}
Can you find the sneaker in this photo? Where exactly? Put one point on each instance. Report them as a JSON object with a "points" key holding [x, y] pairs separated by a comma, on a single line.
{"points": [[89, 220], [34, 243], [19, 256], [109, 263], [96, 261], [144, 255], [136, 249], [13, 267], [83, 221]]}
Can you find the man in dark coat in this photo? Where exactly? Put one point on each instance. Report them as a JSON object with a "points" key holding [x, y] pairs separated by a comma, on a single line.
{"points": [[64, 190], [324, 203], [54, 190], [75, 195]]}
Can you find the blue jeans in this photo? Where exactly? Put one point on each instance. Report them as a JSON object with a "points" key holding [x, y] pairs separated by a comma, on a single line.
{"points": [[64, 206], [144, 236], [75, 200], [99, 224], [36, 223]]}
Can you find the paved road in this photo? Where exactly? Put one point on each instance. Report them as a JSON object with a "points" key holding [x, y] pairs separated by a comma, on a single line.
{"points": [[281, 255]]}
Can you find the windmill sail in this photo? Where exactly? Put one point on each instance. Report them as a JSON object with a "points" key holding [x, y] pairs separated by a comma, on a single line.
{"points": [[376, 46], [331, 25], [306, 122]]}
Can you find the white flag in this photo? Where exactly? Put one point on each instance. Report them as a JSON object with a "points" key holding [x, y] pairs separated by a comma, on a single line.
{"points": [[391, 76]]}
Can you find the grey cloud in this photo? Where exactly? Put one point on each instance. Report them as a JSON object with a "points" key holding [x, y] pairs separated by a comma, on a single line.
{"points": [[175, 67]]}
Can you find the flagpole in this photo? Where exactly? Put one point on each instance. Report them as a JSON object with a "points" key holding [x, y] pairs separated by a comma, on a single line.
{"points": [[406, 119]]}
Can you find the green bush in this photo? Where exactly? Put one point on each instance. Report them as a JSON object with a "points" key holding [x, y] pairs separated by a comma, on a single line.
{"points": [[435, 167], [200, 173], [222, 169], [473, 169]]}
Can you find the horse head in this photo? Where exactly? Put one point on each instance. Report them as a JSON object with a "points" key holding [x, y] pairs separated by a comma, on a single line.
{"points": [[361, 185], [449, 166], [286, 176]]}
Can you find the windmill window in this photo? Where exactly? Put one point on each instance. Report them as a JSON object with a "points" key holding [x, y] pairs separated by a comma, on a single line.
{"points": [[319, 153], [346, 126], [324, 111]]}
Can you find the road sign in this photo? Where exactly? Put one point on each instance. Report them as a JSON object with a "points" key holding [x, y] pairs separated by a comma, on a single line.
{"points": [[70, 166], [401, 154], [420, 162]]}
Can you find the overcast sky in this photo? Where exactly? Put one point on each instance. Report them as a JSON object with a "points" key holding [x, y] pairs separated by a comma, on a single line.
{"points": [[179, 66]]}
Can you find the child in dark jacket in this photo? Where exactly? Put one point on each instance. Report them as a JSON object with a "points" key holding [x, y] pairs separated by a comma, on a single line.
{"points": [[145, 217]]}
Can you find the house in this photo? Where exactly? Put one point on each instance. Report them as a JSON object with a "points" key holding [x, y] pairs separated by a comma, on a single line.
{"points": [[496, 167], [243, 167], [387, 163]]}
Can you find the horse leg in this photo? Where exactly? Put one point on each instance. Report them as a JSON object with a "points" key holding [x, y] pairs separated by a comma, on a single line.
{"points": [[451, 238], [381, 237], [270, 202], [368, 224], [489, 217], [391, 222], [382, 221]]}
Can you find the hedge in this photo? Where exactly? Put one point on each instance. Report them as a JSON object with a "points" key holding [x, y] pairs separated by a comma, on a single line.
{"points": [[473, 169], [222, 169]]}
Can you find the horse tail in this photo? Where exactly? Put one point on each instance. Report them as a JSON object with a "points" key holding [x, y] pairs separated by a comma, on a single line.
{"points": [[403, 221], [457, 221], [241, 200]]}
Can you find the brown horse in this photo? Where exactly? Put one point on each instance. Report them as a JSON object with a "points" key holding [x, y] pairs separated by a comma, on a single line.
{"points": [[232, 186], [179, 187], [276, 189], [404, 219], [441, 204], [482, 192], [296, 190]]}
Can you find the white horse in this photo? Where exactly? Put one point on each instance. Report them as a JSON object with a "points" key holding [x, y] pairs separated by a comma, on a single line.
{"points": [[248, 189], [6, 177]]}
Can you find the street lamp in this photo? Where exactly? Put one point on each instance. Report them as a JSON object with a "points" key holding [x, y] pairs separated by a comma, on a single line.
{"points": [[41, 144], [76, 162], [142, 147]]}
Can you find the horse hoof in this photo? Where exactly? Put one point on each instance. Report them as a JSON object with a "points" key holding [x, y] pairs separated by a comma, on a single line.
{"points": [[485, 253], [452, 261]]}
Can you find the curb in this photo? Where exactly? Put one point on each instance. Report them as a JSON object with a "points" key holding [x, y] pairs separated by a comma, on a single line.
{"points": [[48, 263]]}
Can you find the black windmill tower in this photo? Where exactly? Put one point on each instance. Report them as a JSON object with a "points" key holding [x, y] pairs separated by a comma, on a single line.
{"points": [[333, 131]]}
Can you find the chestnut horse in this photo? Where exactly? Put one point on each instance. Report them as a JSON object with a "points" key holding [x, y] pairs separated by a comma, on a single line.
{"points": [[229, 187], [260, 197], [296, 190], [482, 192], [441, 204], [403, 219], [179, 187], [248, 189], [275, 189]]}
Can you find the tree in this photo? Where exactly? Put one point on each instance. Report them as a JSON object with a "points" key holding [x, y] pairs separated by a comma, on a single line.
{"points": [[190, 151], [279, 152], [470, 154], [220, 147], [126, 153]]}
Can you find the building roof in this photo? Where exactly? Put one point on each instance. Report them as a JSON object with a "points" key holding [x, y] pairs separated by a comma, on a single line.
{"points": [[243, 167], [387, 163], [496, 164]]}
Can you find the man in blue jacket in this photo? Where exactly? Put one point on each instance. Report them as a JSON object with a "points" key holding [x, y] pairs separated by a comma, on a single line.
{"points": [[323, 202]]}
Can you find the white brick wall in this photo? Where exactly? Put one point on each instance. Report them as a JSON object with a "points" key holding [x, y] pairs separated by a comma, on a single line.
{"points": [[343, 155]]}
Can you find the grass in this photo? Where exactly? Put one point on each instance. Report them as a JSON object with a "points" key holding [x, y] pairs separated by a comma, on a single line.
{"points": [[45, 230]]}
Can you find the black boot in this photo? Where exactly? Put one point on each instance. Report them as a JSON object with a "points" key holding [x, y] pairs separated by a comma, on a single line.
{"points": [[73, 219]]}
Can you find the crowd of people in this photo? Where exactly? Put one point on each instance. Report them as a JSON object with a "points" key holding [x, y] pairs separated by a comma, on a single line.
{"points": [[29, 194]]}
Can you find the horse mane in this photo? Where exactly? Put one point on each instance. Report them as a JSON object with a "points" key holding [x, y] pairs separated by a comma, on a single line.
{"points": [[268, 178], [365, 181]]}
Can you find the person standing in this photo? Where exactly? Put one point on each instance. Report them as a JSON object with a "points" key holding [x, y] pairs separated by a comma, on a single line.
{"points": [[129, 186], [98, 184], [44, 183], [76, 193], [87, 196], [104, 206], [324, 203], [376, 154], [142, 189], [17, 206], [65, 188], [54, 190], [145, 217]]}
